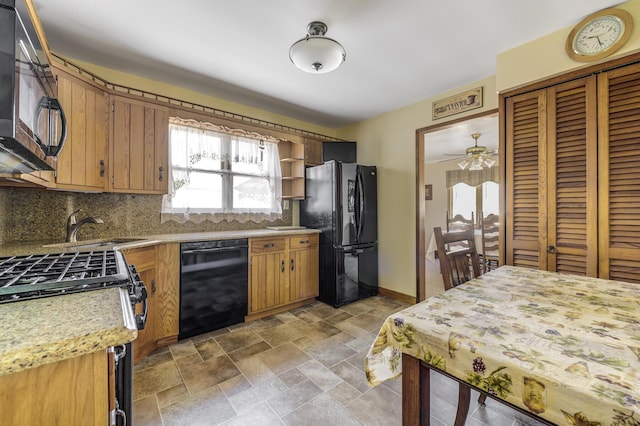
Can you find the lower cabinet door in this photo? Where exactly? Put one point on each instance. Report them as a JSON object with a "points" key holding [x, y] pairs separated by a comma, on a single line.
{"points": [[269, 281]]}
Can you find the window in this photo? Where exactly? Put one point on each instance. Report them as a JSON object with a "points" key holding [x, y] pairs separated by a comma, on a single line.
{"points": [[481, 200], [221, 174]]}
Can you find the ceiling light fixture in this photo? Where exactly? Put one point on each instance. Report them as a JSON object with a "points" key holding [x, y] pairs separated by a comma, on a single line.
{"points": [[477, 157], [316, 53]]}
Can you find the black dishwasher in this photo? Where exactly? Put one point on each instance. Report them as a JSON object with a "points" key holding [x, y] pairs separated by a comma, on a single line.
{"points": [[213, 285]]}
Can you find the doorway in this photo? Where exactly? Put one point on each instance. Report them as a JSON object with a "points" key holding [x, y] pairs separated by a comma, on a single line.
{"points": [[440, 148]]}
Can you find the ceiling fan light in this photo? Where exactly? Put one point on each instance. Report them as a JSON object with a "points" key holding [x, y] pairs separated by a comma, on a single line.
{"points": [[316, 53], [463, 164], [489, 162], [476, 164]]}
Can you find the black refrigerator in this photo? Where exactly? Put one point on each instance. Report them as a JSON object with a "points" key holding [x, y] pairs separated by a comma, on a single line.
{"points": [[341, 200]]}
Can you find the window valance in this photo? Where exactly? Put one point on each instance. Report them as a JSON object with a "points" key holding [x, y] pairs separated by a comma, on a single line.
{"points": [[225, 129], [473, 177]]}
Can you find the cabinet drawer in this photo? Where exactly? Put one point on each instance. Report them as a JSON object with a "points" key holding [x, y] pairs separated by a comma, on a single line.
{"points": [[267, 245], [303, 241]]}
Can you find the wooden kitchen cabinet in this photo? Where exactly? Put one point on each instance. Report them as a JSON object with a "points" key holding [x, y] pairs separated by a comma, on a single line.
{"points": [[139, 147], [82, 163], [303, 267], [283, 273], [168, 302], [159, 270], [572, 178], [74, 391], [268, 274], [292, 167], [144, 259], [312, 151]]}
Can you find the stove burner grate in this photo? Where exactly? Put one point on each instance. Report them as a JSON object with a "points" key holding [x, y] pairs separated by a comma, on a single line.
{"points": [[25, 277]]}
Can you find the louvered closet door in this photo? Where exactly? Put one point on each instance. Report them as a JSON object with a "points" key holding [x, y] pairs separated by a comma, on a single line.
{"points": [[572, 178], [526, 137], [619, 167]]}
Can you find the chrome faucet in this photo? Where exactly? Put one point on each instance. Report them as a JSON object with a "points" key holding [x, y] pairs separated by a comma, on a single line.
{"points": [[73, 225]]}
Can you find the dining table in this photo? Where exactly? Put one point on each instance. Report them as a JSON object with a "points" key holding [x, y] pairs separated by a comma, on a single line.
{"points": [[563, 349]]}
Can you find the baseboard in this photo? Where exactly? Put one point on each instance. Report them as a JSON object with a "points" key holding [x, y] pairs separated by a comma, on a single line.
{"points": [[401, 297]]}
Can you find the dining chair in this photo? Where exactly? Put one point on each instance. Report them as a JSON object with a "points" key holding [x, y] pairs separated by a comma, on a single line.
{"points": [[458, 265], [459, 222], [490, 242], [459, 261]]}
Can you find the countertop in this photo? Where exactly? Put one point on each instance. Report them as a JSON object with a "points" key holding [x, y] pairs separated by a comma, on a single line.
{"points": [[51, 329], [36, 247]]}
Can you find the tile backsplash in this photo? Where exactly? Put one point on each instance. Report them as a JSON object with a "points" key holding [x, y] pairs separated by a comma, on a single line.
{"points": [[33, 215]]}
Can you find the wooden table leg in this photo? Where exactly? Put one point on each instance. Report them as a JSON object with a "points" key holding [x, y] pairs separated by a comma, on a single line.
{"points": [[415, 392], [464, 396]]}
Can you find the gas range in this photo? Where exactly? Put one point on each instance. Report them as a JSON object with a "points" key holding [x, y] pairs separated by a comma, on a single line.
{"points": [[29, 277], [54, 274]]}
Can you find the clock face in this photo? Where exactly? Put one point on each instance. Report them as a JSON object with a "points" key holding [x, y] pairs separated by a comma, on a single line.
{"points": [[598, 35]]}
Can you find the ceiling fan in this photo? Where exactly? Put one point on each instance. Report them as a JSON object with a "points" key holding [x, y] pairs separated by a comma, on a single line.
{"points": [[477, 156]]}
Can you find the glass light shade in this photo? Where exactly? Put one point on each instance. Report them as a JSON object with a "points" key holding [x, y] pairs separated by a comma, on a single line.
{"points": [[476, 164], [463, 164], [317, 54], [489, 162]]}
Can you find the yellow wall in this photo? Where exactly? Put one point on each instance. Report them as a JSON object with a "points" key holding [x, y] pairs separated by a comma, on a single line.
{"points": [[388, 141], [140, 83], [545, 57]]}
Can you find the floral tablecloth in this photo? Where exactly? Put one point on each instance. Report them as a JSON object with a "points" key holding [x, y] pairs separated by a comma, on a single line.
{"points": [[563, 347]]}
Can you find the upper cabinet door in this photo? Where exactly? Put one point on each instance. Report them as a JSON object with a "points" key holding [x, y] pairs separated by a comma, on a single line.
{"points": [[619, 174], [139, 147], [312, 152], [82, 163]]}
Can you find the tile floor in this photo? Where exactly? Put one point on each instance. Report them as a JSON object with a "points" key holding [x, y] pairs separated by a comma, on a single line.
{"points": [[301, 367]]}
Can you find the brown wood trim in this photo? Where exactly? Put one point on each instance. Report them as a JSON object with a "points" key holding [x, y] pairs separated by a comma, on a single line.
{"points": [[451, 123], [421, 245], [502, 160], [396, 295], [166, 341], [572, 75]]}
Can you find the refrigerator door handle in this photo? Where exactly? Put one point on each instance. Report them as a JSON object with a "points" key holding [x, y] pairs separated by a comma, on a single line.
{"points": [[361, 201]]}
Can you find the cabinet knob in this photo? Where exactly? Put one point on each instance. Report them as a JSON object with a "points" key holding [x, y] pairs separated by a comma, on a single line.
{"points": [[282, 264], [153, 287], [293, 264], [268, 245], [304, 241], [160, 173], [552, 250], [102, 168]]}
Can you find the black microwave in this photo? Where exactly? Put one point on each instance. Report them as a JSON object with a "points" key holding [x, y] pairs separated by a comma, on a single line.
{"points": [[32, 122]]}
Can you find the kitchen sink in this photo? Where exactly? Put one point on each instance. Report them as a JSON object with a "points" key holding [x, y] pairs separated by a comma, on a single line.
{"points": [[95, 243]]}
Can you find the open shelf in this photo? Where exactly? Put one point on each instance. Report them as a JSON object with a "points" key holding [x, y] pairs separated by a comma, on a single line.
{"points": [[292, 167]]}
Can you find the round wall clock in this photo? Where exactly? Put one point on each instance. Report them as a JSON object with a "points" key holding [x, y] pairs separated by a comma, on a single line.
{"points": [[599, 35]]}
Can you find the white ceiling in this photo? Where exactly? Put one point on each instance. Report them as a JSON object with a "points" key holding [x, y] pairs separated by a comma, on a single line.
{"points": [[398, 53]]}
